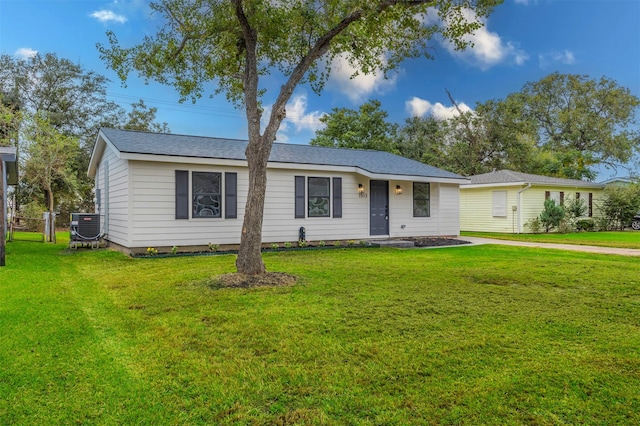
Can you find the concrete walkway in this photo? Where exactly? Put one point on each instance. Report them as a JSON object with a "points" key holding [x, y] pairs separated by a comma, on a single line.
{"points": [[572, 247]]}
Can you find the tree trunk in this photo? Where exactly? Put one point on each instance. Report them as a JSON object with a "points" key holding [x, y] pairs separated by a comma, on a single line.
{"points": [[51, 231], [249, 259], [2, 215]]}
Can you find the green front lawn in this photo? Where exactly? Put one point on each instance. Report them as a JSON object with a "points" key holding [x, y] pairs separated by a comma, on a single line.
{"points": [[622, 239], [463, 335]]}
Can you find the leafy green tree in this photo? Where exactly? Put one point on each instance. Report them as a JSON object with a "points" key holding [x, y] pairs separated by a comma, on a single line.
{"points": [[552, 215], [366, 128], [237, 42], [47, 159], [143, 118], [582, 122], [420, 138], [74, 102], [619, 205]]}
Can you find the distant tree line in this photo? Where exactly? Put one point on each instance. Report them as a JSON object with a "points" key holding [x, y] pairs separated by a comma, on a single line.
{"points": [[563, 126], [51, 110]]}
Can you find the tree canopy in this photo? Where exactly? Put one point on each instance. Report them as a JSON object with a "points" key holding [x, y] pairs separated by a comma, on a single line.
{"points": [[227, 46], [60, 98], [366, 128]]}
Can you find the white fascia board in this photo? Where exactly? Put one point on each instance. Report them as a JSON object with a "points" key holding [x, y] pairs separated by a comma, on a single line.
{"points": [[492, 185], [534, 184]]}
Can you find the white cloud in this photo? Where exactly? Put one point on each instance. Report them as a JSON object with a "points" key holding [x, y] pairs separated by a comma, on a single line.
{"points": [[297, 119], [417, 107], [25, 53], [108, 16], [361, 86], [487, 48], [565, 57], [297, 115], [525, 2]]}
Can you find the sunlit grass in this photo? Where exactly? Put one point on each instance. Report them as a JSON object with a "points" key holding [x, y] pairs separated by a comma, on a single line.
{"points": [[464, 335], [622, 239]]}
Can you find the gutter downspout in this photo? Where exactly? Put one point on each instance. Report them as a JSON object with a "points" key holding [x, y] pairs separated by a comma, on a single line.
{"points": [[519, 209]]}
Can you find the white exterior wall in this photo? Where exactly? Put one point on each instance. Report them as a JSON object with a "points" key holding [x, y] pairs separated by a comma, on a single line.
{"points": [[115, 200], [476, 206], [281, 225], [476, 210], [152, 209], [444, 207]]}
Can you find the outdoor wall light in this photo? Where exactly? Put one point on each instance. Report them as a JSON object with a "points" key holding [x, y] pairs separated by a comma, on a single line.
{"points": [[361, 191], [398, 190]]}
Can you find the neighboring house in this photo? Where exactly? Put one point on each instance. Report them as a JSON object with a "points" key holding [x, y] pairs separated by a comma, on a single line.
{"points": [[10, 173], [504, 201], [161, 190], [619, 181]]}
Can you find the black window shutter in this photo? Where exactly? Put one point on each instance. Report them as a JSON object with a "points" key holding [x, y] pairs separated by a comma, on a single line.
{"points": [[590, 204], [547, 194], [299, 193], [337, 197], [561, 198], [182, 194], [230, 195]]}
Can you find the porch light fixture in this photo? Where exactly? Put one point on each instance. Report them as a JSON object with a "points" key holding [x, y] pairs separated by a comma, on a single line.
{"points": [[398, 190], [361, 191]]}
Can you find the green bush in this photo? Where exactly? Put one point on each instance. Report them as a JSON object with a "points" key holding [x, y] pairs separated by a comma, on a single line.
{"points": [[534, 225], [620, 204], [588, 225], [552, 215]]}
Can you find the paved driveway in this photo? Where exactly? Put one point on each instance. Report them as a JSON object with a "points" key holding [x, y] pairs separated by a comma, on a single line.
{"points": [[572, 247]]}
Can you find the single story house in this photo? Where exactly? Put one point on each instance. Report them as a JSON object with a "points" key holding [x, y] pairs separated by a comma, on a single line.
{"points": [[504, 201], [164, 190]]}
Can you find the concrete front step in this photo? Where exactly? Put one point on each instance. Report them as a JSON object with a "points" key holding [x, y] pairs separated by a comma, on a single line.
{"points": [[394, 243]]}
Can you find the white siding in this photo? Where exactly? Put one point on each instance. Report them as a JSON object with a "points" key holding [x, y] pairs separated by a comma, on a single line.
{"points": [[476, 207], [116, 199], [153, 222], [476, 210], [443, 219]]}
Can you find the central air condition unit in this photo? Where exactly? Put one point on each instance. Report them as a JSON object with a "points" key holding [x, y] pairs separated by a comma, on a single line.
{"points": [[84, 229]]}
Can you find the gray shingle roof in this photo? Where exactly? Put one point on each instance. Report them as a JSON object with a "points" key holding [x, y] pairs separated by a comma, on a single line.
{"points": [[378, 162], [509, 176]]}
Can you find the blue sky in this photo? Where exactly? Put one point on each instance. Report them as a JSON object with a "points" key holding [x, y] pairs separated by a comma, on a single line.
{"points": [[523, 41]]}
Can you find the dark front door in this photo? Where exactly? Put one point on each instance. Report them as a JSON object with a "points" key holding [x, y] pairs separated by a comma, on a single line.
{"points": [[379, 196]]}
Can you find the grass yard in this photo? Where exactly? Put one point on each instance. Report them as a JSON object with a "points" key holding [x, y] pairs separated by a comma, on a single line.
{"points": [[462, 335], [622, 239]]}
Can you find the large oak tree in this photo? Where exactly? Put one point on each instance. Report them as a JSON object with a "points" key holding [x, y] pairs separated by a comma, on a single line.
{"points": [[233, 43]]}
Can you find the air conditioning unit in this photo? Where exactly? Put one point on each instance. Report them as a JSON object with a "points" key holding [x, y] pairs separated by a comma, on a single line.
{"points": [[84, 229]]}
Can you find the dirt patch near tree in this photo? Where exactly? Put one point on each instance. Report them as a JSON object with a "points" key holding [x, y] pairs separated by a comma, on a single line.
{"points": [[236, 280]]}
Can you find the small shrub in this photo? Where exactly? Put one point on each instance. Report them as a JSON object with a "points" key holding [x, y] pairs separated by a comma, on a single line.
{"points": [[588, 225], [351, 243], [174, 249], [213, 247], [287, 244], [534, 225], [275, 246], [362, 242], [321, 243], [303, 243], [565, 227], [337, 243], [152, 251], [552, 215]]}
